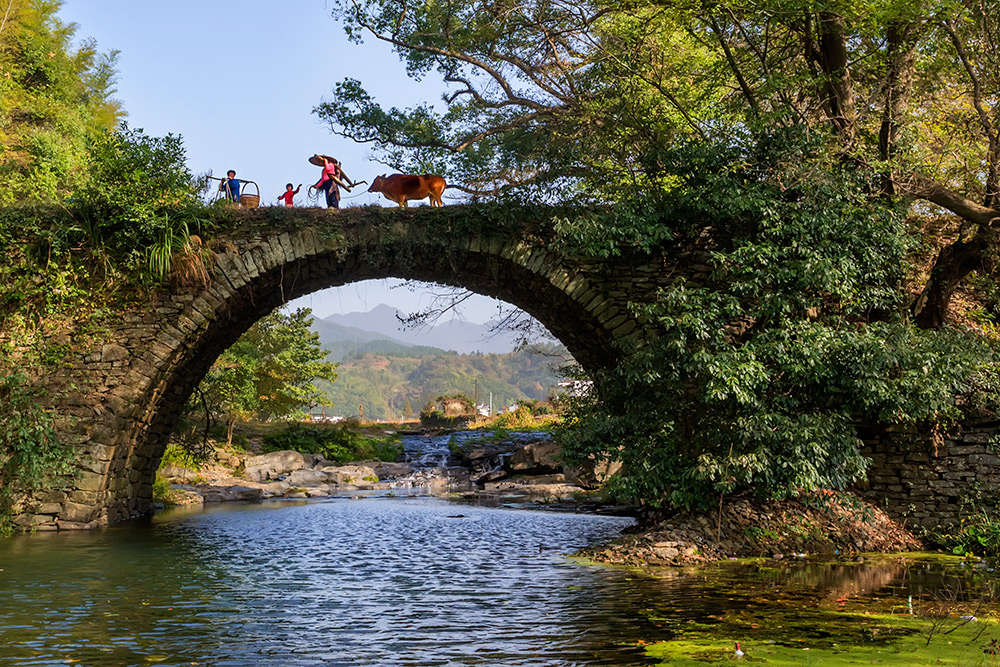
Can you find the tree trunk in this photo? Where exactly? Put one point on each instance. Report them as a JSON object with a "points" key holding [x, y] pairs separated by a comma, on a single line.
{"points": [[834, 62], [951, 267], [901, 42]]}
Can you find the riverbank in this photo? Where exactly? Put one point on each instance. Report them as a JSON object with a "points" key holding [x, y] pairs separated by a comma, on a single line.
{"points": [[524, 469], [822, 522], [518, 467]]}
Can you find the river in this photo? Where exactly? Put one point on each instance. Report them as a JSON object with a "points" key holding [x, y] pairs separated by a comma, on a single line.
{"points": [[413, 580], [377, 581]]}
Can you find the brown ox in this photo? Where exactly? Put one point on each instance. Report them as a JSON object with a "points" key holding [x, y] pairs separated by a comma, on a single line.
{"points": [[402, 187]]}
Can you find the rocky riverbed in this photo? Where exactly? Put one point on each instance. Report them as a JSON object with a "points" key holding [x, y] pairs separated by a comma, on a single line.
{"points": [[525, 469], [519, 466]]}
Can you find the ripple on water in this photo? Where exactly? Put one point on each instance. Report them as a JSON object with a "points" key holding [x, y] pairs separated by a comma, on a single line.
{"points": [[347, 582]]}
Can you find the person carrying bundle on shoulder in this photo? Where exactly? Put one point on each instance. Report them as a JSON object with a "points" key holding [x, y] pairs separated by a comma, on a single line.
{"points": [[329, 180], [332, 179]]}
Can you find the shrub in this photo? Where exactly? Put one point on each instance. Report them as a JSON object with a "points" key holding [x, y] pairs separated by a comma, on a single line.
{"points": [[163, 493], [521, 418], [141, 202], [30, 457], [979, 536], [177, 456], [335, 443]]}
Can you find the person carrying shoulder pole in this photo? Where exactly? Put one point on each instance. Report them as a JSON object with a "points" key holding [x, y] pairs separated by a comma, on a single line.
{"points": [[329, 180], [332, 179], [231, 186]]}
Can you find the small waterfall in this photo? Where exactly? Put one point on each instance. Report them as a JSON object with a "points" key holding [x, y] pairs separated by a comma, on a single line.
{"points": [[433, 467], [427, 451], [436, 466]]}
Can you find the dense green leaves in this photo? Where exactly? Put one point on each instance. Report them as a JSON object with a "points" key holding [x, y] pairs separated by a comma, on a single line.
{"points": [[697, 415], [269, 373], [53, 100], [762, 371], [141, 197], [336, 443], [121, 193]]}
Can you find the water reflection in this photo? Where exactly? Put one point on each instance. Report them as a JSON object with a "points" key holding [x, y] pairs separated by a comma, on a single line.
{"points": [[402, 581], [377, 581]]}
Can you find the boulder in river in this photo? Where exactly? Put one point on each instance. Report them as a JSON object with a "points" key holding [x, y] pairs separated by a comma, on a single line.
{"points": [[178, 475], [385, 470], [536, 458], [225, 494], [543, 486], [593, 473], [276, 464], [355, 474], [306, 478], [275, 489]]}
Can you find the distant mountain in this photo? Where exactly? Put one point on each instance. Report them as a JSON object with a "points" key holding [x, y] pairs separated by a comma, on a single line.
{"points": [[455, 335], [344, 341]]}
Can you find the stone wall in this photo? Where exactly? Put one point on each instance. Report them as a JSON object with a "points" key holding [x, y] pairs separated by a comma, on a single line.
{"points": [[932, 482]]}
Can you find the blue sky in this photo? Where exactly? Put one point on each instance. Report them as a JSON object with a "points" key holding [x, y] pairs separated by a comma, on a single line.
{"points": [[239, 82]]}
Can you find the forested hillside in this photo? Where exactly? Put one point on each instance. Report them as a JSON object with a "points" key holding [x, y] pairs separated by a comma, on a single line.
{"points": [[397, 381]]}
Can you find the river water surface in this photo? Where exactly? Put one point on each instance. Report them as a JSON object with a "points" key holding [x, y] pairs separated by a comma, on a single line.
{"points": [[376, 581], [414, 580]]}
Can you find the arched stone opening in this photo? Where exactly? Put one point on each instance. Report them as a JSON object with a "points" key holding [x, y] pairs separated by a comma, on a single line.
{"points": [[172, 343]]}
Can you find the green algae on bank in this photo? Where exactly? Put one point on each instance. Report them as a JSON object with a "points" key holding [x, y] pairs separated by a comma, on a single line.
{"points": [[964, 647], [902, 609]]}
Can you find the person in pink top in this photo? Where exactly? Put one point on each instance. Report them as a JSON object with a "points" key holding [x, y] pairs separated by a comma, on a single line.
{"points": [[289, 195], [327, 182]]}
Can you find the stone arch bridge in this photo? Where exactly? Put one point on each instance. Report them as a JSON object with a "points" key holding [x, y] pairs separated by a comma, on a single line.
{"points": [[134, 382]]}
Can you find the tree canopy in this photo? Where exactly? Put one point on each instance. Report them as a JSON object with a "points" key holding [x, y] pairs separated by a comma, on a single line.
{"points": [[54, 99], [269, 373], [906, 89], [837, 162]]}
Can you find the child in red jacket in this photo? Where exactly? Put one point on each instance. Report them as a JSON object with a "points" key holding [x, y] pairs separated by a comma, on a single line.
{"points": [[289, 194]]}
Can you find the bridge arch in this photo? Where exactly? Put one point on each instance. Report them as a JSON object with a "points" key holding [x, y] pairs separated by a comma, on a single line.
{"points": [[162, 349]]}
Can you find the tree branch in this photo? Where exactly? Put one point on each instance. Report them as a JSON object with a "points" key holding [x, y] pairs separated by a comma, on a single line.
{"points": [[970, 69], [922, 187], [901, 52], [491, 71], [977, 102], [734, 67], [833, 60]]}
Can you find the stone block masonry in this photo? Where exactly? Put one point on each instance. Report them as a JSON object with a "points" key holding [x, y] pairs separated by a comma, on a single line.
{"points": [[931, 483]]}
